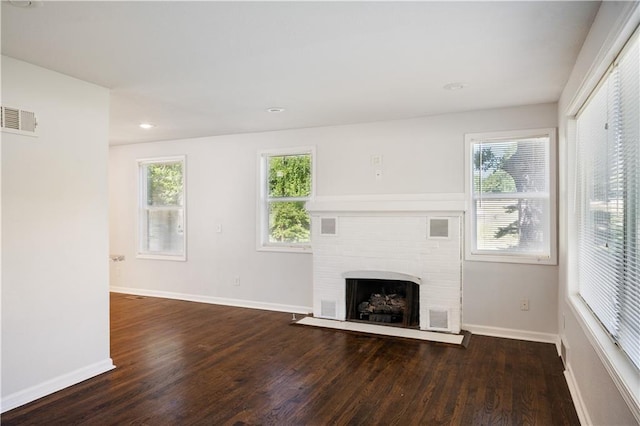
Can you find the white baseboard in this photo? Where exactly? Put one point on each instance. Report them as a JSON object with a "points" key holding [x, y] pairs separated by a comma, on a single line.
{"points": [[58, 383], [239, 303], [578, 402], [511, 333]]}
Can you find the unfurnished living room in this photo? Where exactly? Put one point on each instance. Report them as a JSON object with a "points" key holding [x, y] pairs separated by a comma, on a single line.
{"points": [[314, 213]]}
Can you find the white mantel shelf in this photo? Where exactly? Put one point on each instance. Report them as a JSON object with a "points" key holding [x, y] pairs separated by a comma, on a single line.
{"points": [[381, 275], [398, 203]]}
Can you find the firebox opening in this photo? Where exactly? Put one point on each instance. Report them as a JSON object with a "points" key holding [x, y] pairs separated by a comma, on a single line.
{"points": [[390, 302]]}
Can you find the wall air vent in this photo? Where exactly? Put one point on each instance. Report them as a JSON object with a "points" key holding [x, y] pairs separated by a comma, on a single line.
{"points": [[438, 319], [14, 120], [328, 309], [328, 226], [438, 227]]}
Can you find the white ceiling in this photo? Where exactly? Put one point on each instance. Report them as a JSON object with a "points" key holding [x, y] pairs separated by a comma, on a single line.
{"points": [[211, 68]]}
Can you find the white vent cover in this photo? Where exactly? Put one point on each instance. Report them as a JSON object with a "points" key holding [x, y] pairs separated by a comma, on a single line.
{"points": [[328, 226], [438, 227], [14, 120], [438, 319], [328, 308]]}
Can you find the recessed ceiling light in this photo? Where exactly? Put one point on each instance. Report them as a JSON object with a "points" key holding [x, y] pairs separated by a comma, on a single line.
{"points": [[146, 126], [275, 110], [455, 86]]}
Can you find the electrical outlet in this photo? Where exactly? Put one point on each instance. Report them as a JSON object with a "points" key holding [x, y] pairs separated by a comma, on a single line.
{"points": [[236, 281], [524, 305]]}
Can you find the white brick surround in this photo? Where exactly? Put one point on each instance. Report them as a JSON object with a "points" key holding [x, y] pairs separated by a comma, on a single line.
{"points": [[389, 234]]}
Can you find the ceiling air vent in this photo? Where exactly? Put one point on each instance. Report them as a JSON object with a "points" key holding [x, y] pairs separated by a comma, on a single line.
{"points": [[14, 120]]}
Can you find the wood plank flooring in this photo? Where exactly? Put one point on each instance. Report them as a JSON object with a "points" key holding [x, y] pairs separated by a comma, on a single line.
{"points": [[185, 363]]}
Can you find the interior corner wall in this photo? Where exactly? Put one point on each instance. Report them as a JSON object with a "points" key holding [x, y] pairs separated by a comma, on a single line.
{"points": [[597, 398], [422, 155], [55, 295]]}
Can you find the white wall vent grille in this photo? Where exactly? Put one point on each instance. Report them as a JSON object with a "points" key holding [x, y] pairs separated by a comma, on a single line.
{"points": [[438, 319], [438, 227], [329, 226], [14, 120], [328, 309]]}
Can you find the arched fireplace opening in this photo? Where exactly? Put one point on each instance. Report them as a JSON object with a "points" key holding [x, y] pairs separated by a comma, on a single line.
{"points": [[391, 302]]}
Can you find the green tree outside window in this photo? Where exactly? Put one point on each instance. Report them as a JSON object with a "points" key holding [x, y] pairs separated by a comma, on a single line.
{"points": [[507, 175], [288, 187]]}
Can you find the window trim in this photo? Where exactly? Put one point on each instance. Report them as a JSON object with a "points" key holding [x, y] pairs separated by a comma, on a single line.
{"points": [[262, 213], [141, 207], [474, 255]]}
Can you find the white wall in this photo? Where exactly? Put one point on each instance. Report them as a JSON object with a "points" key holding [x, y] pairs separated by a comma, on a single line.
{"points": [[55, 300], [423, 155], [597, 398]]}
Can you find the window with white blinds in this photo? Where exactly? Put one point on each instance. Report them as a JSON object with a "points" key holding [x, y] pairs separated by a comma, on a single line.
{"points": [[608, 201], [511, 190], [161, 220]]}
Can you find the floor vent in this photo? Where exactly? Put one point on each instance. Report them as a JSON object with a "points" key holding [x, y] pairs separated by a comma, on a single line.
{"points": [[14, 120]]}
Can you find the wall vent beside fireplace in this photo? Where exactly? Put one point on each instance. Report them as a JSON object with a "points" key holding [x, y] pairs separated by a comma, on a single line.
{"points": [[438, 319], [328, 309], [438, 227], [329, 226]]}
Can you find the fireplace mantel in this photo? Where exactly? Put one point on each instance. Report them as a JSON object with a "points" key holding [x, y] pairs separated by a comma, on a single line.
{"points": [[391, 203], [382, 275]]}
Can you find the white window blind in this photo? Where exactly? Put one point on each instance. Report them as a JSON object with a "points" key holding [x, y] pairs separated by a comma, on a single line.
{"points": [[511, 186], [608, 202], [162, 209]]}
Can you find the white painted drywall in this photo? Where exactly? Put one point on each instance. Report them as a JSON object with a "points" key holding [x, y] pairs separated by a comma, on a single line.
{"points": [[55, 299], [423, 155], [598, 399]]}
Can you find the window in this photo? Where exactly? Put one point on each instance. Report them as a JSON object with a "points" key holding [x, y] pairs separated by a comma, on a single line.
{"points": [[607, 202], [510, 186], [286, 184], [162, 209]]}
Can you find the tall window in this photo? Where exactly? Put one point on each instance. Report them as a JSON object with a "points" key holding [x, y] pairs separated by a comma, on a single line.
{"points": [[608, 202], [286, 185], [511, 192], [162, 209]]}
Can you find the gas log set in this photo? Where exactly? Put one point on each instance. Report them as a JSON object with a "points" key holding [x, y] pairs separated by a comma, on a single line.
{"points": [[383, 308], [392, 302]]}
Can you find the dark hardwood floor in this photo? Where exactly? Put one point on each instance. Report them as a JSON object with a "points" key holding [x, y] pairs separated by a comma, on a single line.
{"points": [[184, 363]]}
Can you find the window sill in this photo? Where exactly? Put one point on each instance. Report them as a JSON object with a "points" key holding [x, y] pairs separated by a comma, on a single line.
{"points": [[286, 249], [506, 258], [174, 258], [620, 368]]}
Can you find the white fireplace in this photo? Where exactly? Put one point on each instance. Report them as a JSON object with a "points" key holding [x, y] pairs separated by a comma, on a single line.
{"points": [[414, 238]]}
